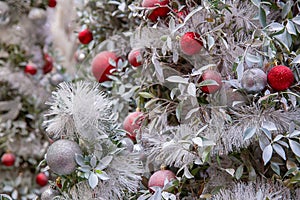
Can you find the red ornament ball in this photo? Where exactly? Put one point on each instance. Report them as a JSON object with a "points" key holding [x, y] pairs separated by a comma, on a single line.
{"points": [[190, 43], [101, 66], [211, 75], [8, 159], [30, 69], [158, 8], [135, 57], [132, 124], [280, 77], [51, 3], [48, 66], [41, 179], [159, 177], [85, 36]]}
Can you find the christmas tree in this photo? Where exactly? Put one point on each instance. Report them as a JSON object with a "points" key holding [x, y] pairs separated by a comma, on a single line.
{"points": [[150, 99]]}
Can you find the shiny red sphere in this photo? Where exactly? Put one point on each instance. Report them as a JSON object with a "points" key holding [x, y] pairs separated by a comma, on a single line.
{"points": [[211, 75], [8, 159], [190, 43], [85, 36], [30, 69], [135, 57], [41, 179], [280, 77]]}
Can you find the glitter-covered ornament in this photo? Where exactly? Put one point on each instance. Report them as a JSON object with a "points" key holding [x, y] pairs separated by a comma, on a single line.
{"points": [[101, 65], [8, 159], [135, 57], [157, 8], [51, 3], [127, 144], [56, 79], [158, 178], [132, 124], [211, 75], [190, 43], [61, 156], [280, 77], [85, 36], [49, 194], [30, 69], [254, 80], [48, 66]]}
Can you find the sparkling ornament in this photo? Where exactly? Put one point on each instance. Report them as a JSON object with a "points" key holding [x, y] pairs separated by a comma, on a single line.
{"points": [[49, 194], [30, 69], [56, 79], [211, 75], [190, 43], [4, 13], [85, 36], [254, 80], [138, 148], [41, 179], [8, 159], [135, 57], [127, 143], [37, 16], [280, 77], [132, 124], [159, 177], [157, 8], [101, 65], [61, 156], [48, 66]]}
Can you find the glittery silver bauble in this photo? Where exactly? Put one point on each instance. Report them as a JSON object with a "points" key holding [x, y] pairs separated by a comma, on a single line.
{"points": [[127, 143], [254, 80], [61, 156], [37, 16], [56, 79], [49, 194], [138, 148], [4, 13]]}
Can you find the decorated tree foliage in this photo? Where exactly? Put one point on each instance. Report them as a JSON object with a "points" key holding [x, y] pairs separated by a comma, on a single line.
{"points": [[165, 100]]}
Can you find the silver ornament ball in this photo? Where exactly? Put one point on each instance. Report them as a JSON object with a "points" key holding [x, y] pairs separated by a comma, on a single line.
{"points": [[61, 156], [254, 80], [127, 143], [4, 14], [37, 16], [49, 194], [56, 79]]}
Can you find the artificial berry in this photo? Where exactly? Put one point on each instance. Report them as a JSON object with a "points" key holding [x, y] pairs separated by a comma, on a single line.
{"points": [[85, 36], [30, 69], [48, 66], [211, 75], [135, 57], [190, 43], [51, 3], [157, 8], [132, 124], [280, 77], [41, 179], [8, 159]]}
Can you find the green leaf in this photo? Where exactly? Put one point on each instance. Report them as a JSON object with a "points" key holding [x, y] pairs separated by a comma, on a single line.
{"points": [[267, 133], [290, 171], [207, 82], [230, 171], [198, 141], [267, 154], [295, 146], [249, 132], [93, 161], [296, 20], [179, 110], [192, 89], [285, 39], [187, 173], [146, 95], [252, 58], [239, 172], [279, 150], [262, 16], [290, 27], [178, 79], [210, 41], [206, 154], [275, 167], [286, 9], [93, 180], [296, 60], [256, 2], [240, 70], [275, 27]]}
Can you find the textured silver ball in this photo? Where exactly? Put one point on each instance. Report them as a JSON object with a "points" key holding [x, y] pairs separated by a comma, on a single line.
{"points": [[37, 16], [254, 80], [127, 143], [61, 156], [49, 194], [56, 79]]}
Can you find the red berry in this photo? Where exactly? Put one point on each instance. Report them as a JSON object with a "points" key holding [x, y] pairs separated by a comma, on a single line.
{"points": [[30, 69], [158, 8], [280, 78], [48, 66], [159, 177], [211, 75], [101, 66], [85, 36], [41, 179], [181, 14], [135, 57], [190, 43], [8, 159], [132, 124], [51, 3]]}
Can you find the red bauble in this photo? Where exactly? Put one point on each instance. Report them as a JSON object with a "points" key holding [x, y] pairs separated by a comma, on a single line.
{"points": [[30, 69], [48, 66], [135, 57], [181, 14], [211, 75], [101, 66], [85, 36], [158, 8], [159, 177], [132, 124], [190, 43], [8, 159], [41, 179], [280, 78], [51, 3]]}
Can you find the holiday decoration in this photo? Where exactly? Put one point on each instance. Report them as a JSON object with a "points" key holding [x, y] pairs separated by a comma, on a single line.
{"points": [[30, 69], [37, 16], [4, 13], [132, 124], [190, 43], [254, 80], [48, 66], [51, 3], [156, 8], [85, 36], [280, 77], [102, 65], [41, 179], [49, 194], [61, 156], [211, 75], [159, 177], [135, 57], [8, 159], [127, 144]]}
